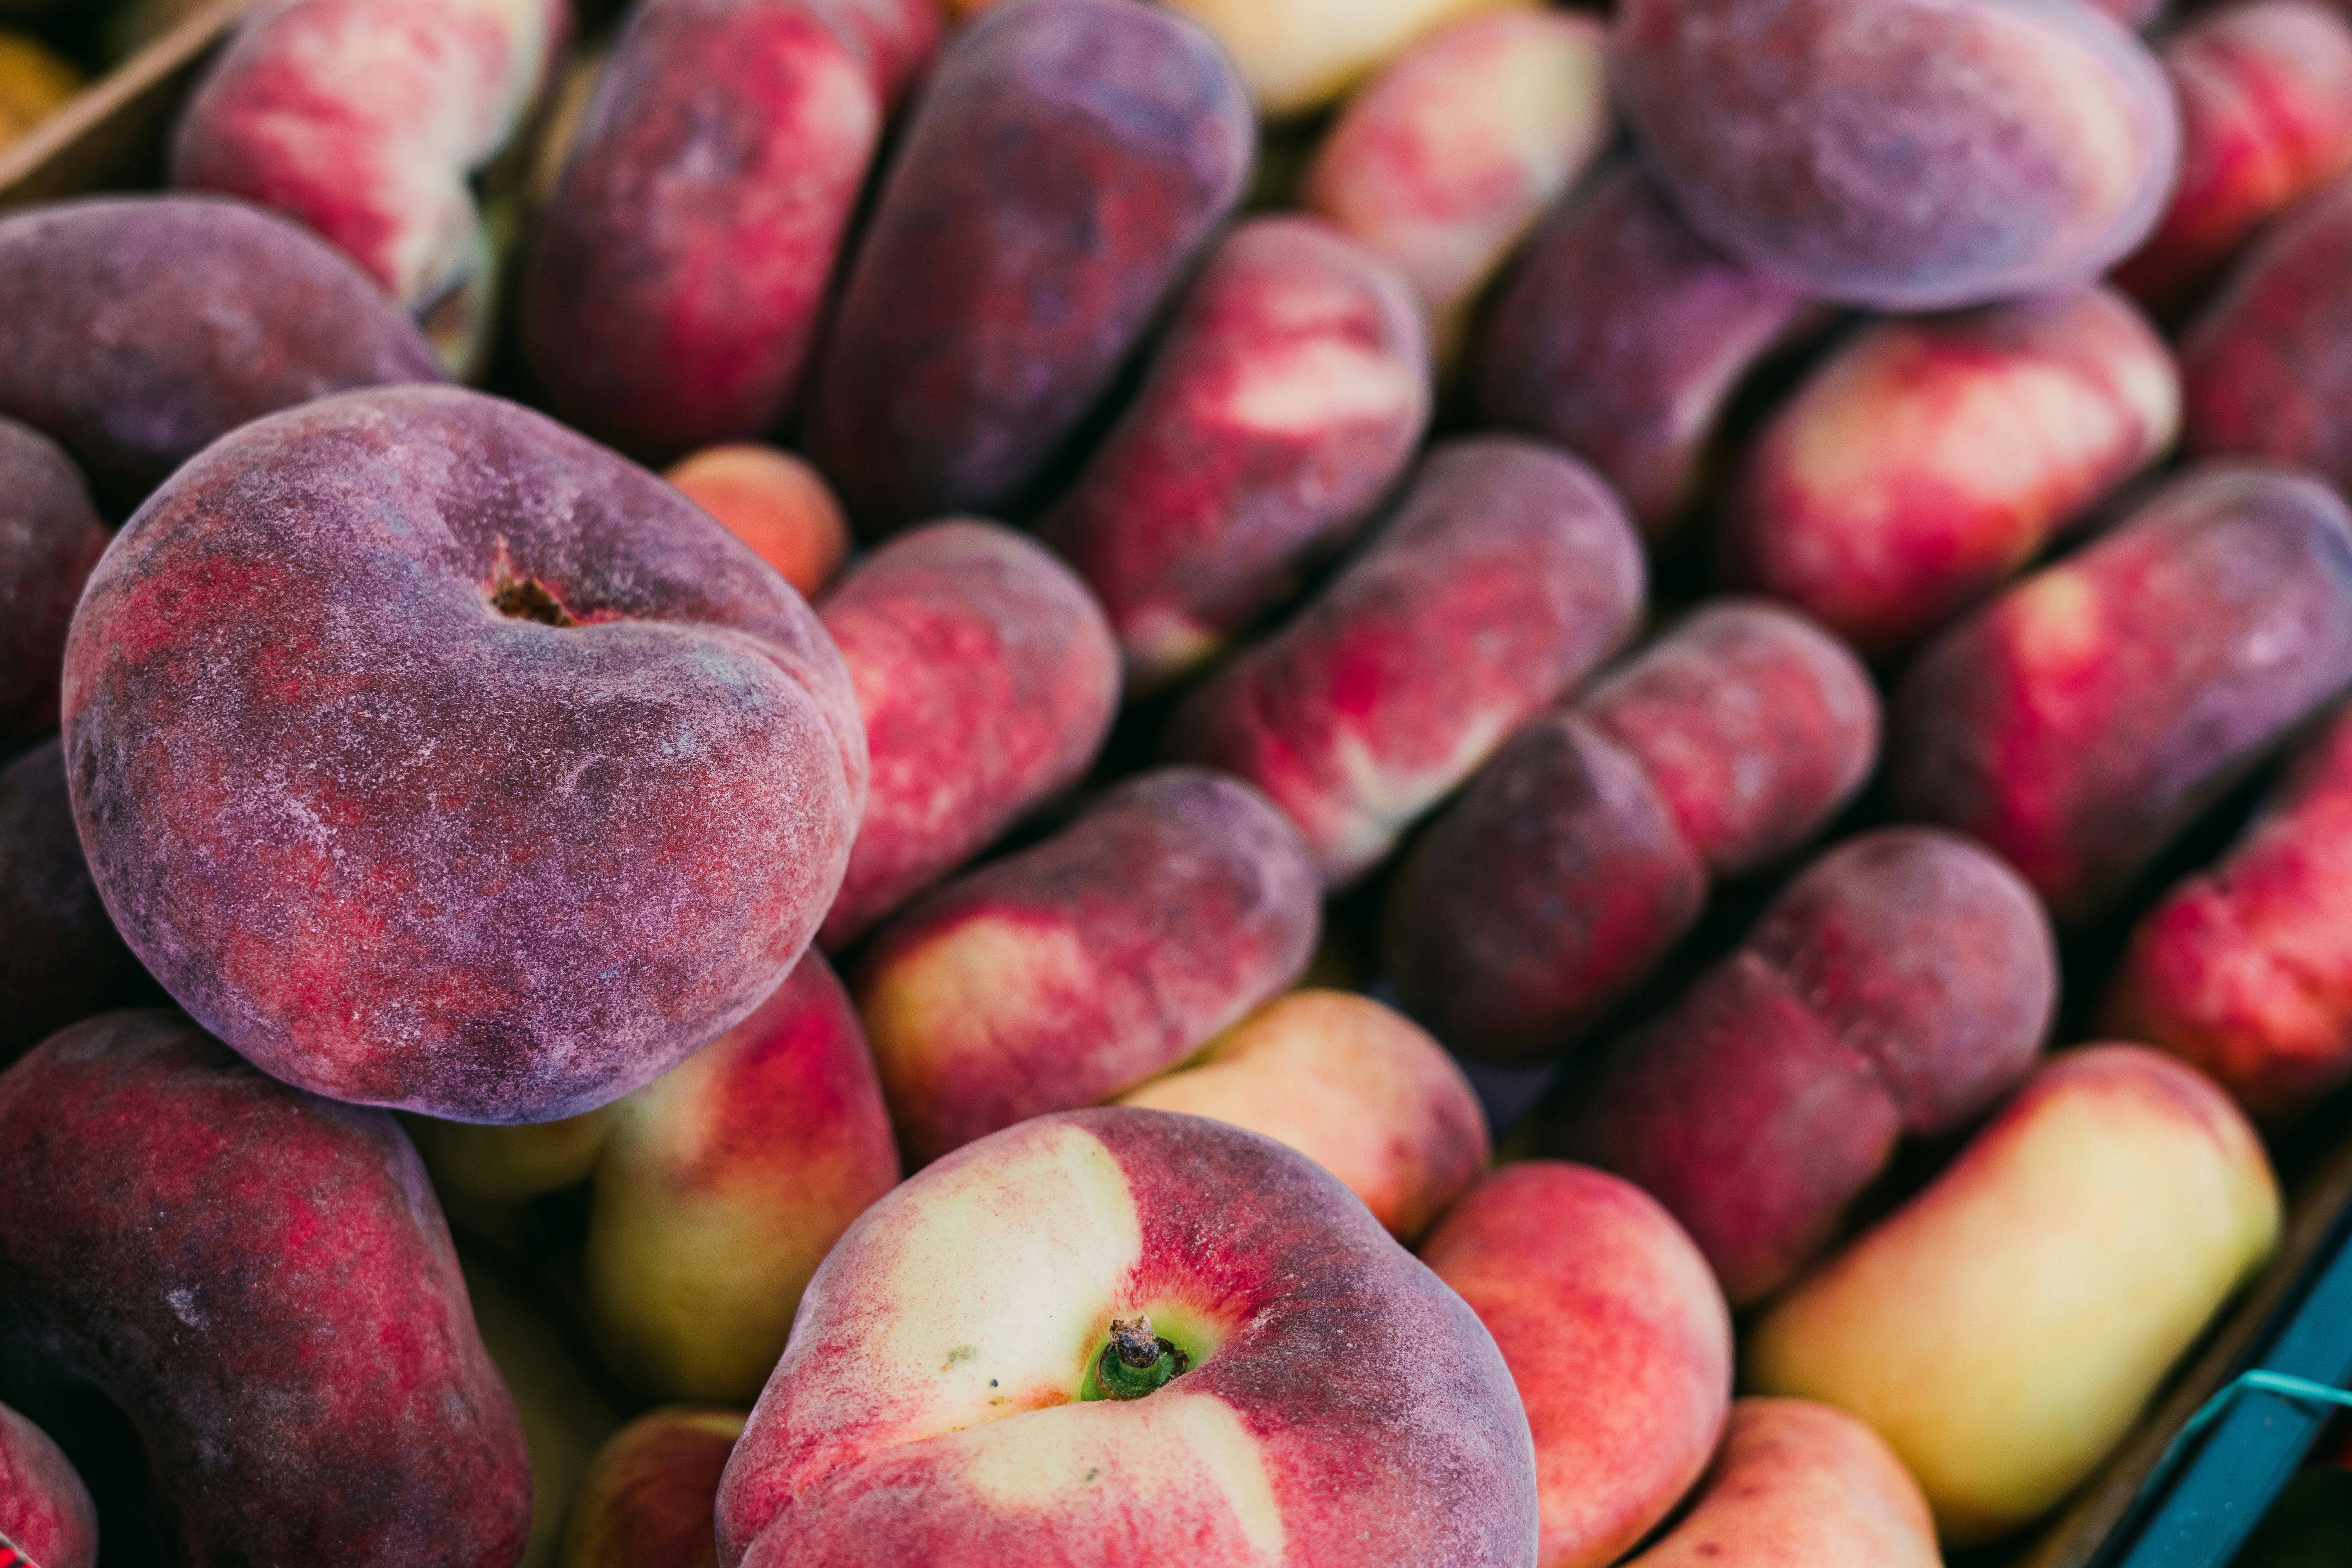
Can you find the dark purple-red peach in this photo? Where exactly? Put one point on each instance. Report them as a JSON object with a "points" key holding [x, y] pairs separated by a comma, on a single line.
{"points": [[987, 678], [50, 537], [45, 1510], [1072, 972], [1903, 154], [1583, 853], [134, 330], [2080, 721], [1898, 987], [1065, 161], [434, 757], [1509, 571], [1291, 391], [60, 960], [261, 1281]]}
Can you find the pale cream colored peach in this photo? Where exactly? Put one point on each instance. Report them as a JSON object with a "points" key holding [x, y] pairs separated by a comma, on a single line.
{"points": [[1296, 56]]}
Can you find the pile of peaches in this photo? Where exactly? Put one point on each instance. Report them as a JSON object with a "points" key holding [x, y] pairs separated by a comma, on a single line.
{"points": [[1227, 570]]}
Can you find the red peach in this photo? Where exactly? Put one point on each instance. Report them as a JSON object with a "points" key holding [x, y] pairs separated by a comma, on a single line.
{"points": [[46, 1515], [1901, 985], [942, 1402], [1291, 391], [49, 538], [1509, 572], [649, 1499], [2246, 969], [1620, 335], [1928, 459], [1065, 163], [1804, 137], [1076, 970], [1355, 1088], [1615, 1334], [1582, 854], [60, 960], [2265, 115], [1442, 161], [901, 35], [675, 293], [987, 678], [439, 758], [135, 330], [364, 120], [2088, 714], [259, 1280], [775, 503]]}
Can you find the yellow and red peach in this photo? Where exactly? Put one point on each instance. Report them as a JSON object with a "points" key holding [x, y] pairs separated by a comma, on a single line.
{"points": [[1583, 853], [1351, 1085], [1072, 972], [1615, 1334], [1443, 163], [50, 537], [775, 503], [2245, 970], [987, 678], [60, 960], [1298, 54], [1508, 573], [1929, 459], [35, 81], [2081, 719], [364, 120], [2266, 92], [675, 293], [260, 1281], [1291, 391], [650, 1498], [1799, 1484], [1899, 987], [135, 330], [2260, 368], [1066, 162], [46, 1515], [1801, 135], [2003, 1329], [1620, 335], [1318, 1398], [434, 757]]}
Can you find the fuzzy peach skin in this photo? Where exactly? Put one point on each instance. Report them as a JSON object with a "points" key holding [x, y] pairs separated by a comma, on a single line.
{"points": [[2261, 365], [1929, 459], [1799, 136], [1442, 161], [1899, 987], [1073, 970], [50, 537], [1067, 160], [2003, 1329], [675, 290], [1615, 1334], [136, 330], [1507, 573], [60, 960], [1300, 55], [1583, 853], [2082, 719], [901, 36], [260, 1281], [649, 1499], [434, 757], [364, 120], [2245, 970], [1800, 1485], [988, 679], [1620, 335], [2266, 92], [774, 502], [1291, 391], [1342, 1407], [1354, 1086], [45, 1510]]}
